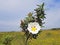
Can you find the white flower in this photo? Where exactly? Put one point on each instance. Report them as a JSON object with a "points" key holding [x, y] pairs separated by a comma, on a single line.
{"points": [[33, 27]]}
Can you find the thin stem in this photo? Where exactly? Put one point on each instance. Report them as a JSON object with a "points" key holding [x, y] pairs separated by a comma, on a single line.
{"points": [[27, 39]]}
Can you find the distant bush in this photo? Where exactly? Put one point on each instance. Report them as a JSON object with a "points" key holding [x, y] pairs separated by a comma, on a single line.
{"points": [[7, 41], [55, 29], [48, 34]]}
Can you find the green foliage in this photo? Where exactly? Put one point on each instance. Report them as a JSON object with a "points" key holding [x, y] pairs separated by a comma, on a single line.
{"points": [[40, 14]]}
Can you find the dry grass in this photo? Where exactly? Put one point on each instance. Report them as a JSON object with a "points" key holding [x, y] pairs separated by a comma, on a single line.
{"points": [[46, 37]]}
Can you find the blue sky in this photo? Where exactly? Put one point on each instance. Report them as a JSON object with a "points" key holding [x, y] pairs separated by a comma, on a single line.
{"points": [[12, 11]]}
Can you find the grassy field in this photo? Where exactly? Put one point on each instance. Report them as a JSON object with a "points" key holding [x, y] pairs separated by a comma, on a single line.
{"points": [[46, 37]]}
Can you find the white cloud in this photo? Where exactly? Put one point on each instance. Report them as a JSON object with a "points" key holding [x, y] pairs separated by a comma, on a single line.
{"points": [[9, 4], [17, 4], [9, 26], [9, 23]]}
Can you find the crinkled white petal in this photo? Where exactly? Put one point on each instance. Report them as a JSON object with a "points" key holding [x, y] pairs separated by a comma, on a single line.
{"points": [[33, 24]]}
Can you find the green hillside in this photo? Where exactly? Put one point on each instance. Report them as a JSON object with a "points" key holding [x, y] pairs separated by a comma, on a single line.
{"points": [[46, 37]]}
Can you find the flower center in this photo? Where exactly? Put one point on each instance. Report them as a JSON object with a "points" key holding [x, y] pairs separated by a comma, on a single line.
{"points": [[34, 28]]}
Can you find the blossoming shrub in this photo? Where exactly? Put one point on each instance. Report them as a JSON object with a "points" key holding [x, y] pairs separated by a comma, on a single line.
{"points": [[32, 24]]}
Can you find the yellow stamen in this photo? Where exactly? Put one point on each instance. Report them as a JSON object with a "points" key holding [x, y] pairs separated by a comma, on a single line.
{"points": [[34, 28]]}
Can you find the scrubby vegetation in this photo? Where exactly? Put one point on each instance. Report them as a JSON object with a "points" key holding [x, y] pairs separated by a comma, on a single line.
{"points": [[55, 29], [46, 37]]}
